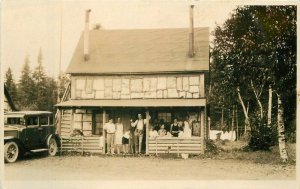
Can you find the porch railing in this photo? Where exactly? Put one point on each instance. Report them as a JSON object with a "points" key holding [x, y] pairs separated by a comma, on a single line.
{"points": [[191, 145]]}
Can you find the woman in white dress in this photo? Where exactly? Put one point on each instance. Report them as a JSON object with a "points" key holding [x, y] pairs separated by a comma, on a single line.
{"points": [[119, 135], [187, 133]]}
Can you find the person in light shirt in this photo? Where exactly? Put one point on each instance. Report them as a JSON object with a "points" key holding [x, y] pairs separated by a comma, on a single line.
{"points": [[162, 131], [110, 129], [118, 135], [153, 133], [138, 125]]}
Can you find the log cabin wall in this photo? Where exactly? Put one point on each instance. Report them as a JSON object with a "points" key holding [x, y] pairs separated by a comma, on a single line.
{"points": [[138, 87]]}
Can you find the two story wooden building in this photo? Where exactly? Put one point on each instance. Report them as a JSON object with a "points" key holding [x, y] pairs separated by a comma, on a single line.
{"points": [[120, 73]]}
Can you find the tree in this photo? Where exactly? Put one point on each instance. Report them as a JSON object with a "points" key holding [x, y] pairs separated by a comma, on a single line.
{"points": [[11, 85], [254, 52], [51, 97], [40, 83], [26, 88]]}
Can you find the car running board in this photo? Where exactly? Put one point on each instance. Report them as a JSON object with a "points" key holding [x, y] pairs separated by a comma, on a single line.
{"points": [[38, 150]]}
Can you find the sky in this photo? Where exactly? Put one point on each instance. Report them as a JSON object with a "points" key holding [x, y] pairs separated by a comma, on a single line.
{"points": [[31, 25]]}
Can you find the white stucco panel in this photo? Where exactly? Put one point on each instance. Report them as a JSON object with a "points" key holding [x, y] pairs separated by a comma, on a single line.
{"points": [[99, 94], [80, 84], [171, 82], [117, 85], [136, 85], [98, 84], [125, 86], [185, 83], [179, 83], [162, 83], [194, 80], [194, 89]]}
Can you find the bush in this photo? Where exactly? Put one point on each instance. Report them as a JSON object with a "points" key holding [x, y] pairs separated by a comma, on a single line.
{"points": [[291, 131], [262, 138], [211, 147]]}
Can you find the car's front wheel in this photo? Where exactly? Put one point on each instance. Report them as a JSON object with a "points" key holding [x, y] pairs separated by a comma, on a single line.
{"points": [[52, 147], [11, 152]]}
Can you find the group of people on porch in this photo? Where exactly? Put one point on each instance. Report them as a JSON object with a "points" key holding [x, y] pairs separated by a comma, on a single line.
{"points": [[122, 140], [176, 129]]}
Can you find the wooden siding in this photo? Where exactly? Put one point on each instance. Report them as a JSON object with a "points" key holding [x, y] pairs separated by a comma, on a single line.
{"points": [[82, 144]]}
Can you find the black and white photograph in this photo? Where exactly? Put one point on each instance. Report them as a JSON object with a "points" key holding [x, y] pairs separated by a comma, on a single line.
{"points": [[148, 94]]}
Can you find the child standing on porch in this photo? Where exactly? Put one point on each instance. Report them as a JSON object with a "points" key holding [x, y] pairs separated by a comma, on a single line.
{"points": [[118, 135], [125, 141]]}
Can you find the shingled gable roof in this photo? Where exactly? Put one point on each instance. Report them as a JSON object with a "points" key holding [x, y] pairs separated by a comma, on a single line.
{"points": [[141, 51], [9, 99]]}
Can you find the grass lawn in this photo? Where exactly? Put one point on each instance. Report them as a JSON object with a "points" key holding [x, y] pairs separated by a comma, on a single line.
{"points": [[233, 150]]}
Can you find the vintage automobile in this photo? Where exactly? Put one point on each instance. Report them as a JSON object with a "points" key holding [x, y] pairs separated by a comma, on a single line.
{"points": [[29, 131]]}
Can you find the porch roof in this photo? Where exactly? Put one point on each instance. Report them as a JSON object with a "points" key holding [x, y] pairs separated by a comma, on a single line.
{"points": [[134, 103]]}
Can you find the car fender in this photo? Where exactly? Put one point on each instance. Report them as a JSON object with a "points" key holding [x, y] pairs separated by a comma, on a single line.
{"points": [[11, 138], [56, 137], [8, 138]]}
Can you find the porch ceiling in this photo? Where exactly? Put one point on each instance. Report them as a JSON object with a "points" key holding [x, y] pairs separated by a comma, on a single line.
{"points": [[134, 103]]}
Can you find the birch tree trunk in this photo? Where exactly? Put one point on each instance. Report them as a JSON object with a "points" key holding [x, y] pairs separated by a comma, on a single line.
{"points": [[237, 123], [247, 123], [232, 119], [257, 95], [281, 131], [232, 123], [270, 107], [222, 120]]}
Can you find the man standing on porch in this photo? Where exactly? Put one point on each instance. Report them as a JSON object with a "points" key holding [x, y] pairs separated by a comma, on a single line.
{"points": [[138, 133], [110, 129]]}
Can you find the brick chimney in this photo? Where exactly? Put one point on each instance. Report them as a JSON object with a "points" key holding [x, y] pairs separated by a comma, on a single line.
{"points": [[191, 33], [86, 36]]}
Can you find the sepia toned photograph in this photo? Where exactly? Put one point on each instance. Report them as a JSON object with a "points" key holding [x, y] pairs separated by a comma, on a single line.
{"points": [[148, 94]]}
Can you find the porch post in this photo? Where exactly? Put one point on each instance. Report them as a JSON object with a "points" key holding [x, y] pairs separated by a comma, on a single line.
{"points": [[202, 113], [58, 127], [103, 131], [147, 131], [72, 120]]}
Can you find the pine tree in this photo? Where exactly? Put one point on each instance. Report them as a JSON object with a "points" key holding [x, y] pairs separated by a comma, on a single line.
{"points": [[11, 85], [51, 90], [40, 81], [26, 88]]}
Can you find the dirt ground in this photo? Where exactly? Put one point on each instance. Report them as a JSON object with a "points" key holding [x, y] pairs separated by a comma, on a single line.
{"points": [[98, 167]]}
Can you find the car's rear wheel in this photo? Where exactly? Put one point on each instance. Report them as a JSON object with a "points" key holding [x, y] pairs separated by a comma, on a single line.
{"points": [[11, 152], [52, 148]]}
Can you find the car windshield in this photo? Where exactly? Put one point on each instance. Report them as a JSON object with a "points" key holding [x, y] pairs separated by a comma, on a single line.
{"points": [[14, 121]]}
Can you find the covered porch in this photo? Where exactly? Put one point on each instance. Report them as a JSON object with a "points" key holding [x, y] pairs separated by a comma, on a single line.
{"points": [[89, 116]]}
